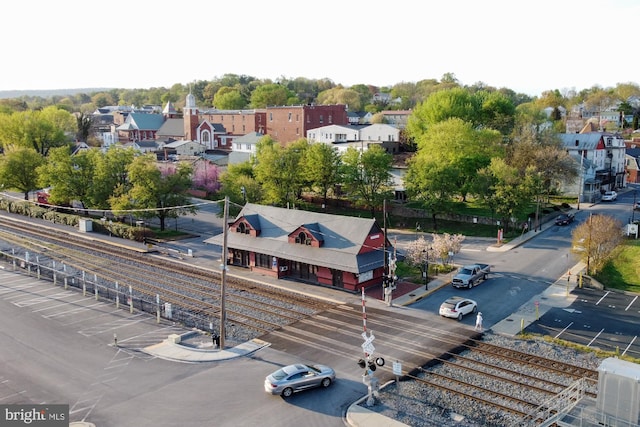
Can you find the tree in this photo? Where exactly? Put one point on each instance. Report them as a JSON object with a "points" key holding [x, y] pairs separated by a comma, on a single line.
{"points": [[508, 189], [110, 176], [205, 176], [227, 98], [18, 169], [595, 240], [446, 245], [322, 168], [156, 193], [418, 253], [340, 95], [456, 151], [272, 94], [41, 130], [433, 183], [69, 176], [367, 175], [278, 169], [84, 123], [239, 184], [542, 151]]}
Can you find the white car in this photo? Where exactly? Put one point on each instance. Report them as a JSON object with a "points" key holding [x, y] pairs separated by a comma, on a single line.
{"points": [[609, 196], [458, 307]]}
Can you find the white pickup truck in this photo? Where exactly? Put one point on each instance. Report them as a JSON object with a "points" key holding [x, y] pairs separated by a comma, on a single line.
{"points": [[471, 275]]}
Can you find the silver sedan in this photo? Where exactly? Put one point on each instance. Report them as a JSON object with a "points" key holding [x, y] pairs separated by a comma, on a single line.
{"points": [[293, 378]]}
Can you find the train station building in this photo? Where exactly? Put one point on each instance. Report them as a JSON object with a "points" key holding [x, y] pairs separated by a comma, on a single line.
{"points": [[331, 250]]}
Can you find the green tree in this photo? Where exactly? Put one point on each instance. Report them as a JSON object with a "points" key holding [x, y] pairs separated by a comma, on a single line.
{"points": [[367, 176], [69, 176], [41, 130], [239, 184], [156, 193], [509, 190], [227, 98], [433, 183], [322, 168], [278, 169], [272, 94], [18, 169], [110, 176], [460, 149], [340, 95]]}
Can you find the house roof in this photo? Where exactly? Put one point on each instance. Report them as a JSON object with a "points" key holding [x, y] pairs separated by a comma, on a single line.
{"points": [[171, 127], [145, 121], [580, 141], [343, 237], [250, 138]]}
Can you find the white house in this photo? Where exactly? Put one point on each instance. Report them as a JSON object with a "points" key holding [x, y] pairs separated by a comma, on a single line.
{"points": [[603, 158]]}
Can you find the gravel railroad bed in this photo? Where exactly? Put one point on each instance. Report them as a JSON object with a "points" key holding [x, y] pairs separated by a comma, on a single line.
{"points": [[418, 405]]}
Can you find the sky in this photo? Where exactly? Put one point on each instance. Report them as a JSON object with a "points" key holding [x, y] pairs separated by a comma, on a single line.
{"points": [[526, 46]]}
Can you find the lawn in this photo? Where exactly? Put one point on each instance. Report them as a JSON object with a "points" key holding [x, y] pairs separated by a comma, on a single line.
{"points": [[623, 270]]}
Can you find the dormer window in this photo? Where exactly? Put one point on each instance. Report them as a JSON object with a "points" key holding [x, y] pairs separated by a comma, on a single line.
{"points": [[303, 239], [242, 228]]}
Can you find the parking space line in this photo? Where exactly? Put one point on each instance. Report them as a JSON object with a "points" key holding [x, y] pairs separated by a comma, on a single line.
{"points": [[631, 303], [594, 338], [562, 331], [62, 304], [603, 297], [630, 344]]}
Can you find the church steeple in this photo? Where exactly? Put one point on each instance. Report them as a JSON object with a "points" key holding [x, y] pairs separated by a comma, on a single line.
{"points": [[190, 116]]}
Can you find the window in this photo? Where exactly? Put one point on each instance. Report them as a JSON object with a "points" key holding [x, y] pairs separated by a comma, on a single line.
{"points": [[321, 119], [270, 117], [290, 116], [330, 119], [263, 260]]}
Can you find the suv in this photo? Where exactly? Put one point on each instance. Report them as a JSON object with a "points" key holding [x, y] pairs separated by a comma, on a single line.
{"points": [[458, 307]]}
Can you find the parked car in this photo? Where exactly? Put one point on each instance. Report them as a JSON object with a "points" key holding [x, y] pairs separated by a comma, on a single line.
{"points": [[565, 219], [609, 196], [458, 307], [292, 378], [471, 275]]}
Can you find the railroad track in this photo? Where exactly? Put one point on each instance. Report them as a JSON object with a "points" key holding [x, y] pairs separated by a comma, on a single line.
{"points": [[253, 307]]}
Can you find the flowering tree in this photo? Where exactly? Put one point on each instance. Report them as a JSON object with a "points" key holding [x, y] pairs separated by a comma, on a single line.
{"points": [[446, 244], [421, 251], [418, 253], [205, 177]]}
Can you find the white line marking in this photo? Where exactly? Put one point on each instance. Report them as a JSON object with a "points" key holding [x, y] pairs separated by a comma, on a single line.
{"points": [[603, 297], [567, 327], [594, 338], [632, 301], [632, 341]]}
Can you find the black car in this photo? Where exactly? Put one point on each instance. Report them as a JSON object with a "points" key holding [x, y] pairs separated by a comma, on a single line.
{"points": [[565, 219]]}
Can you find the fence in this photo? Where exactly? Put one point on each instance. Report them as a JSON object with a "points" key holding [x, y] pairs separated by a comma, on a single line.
{"points": [[91, 285]]}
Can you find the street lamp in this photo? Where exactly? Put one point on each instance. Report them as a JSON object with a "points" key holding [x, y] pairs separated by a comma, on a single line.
{"points": [[244, 194]]}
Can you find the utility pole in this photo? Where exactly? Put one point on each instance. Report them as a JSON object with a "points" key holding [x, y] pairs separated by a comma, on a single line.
{"points": [[223, 282]]}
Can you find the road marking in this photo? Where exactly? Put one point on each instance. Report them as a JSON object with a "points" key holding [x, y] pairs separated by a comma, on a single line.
{"points": [[632, 301], [632, 341], [603, 297], [594, 338], [567, 327]]}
